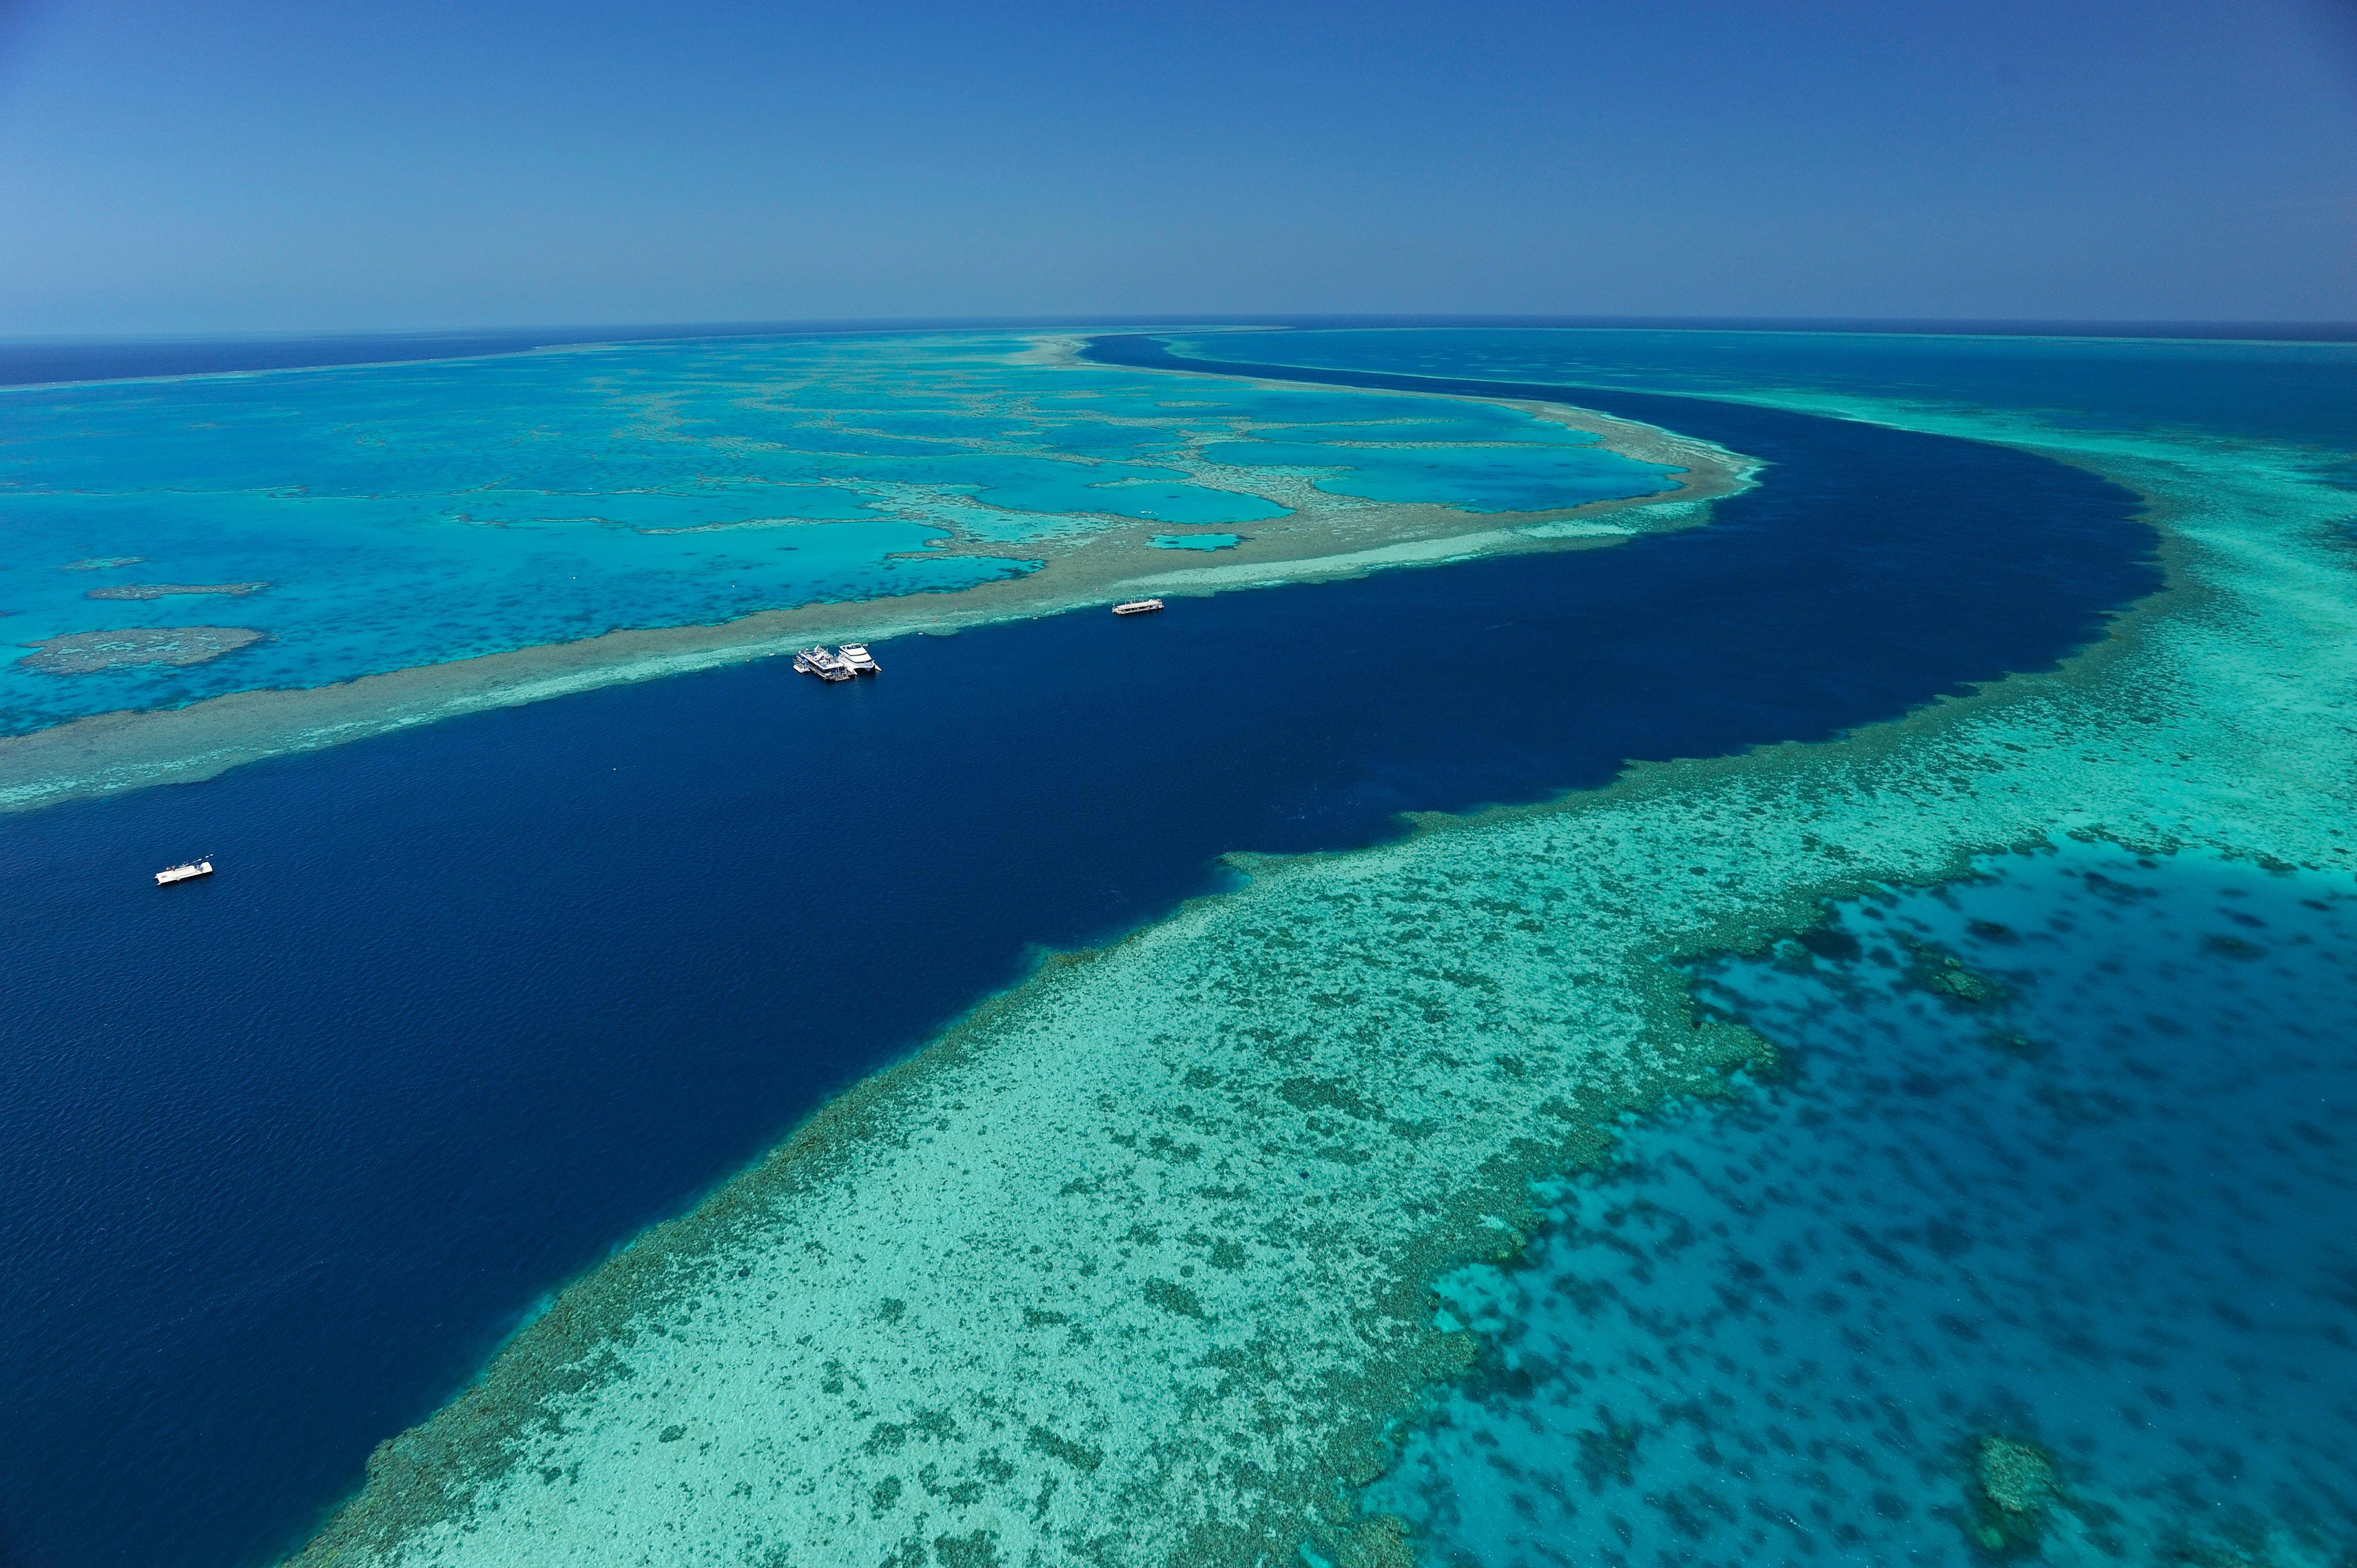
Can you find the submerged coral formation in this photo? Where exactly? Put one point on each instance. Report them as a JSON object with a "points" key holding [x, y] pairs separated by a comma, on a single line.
{"points": [[83, 652], [1944, 975], [2013, 1484], [1817, 1302], [1135, 1264], [2016, 1477], [168, 590], [671, 506]]}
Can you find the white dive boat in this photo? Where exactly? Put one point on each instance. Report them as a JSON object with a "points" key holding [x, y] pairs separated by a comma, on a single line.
{"points": [[1137, 607], [854, 657], [201, 867], [818, 662]]}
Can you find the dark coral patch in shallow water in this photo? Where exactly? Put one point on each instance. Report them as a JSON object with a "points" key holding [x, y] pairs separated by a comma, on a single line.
{"points": [[83, 652], [166, 590], [2014, 1485]]}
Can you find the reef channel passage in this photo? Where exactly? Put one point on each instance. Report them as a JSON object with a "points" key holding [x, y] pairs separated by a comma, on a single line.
{"points": [[289, 1151]]}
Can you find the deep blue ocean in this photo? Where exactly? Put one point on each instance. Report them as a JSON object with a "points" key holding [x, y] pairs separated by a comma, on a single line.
{"points": [[2298, 393], [286, 1153]]}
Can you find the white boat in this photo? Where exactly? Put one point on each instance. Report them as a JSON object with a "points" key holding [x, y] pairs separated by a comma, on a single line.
{"points": [[199, 867], [818, 662], [1137, 607], [854, 657]]}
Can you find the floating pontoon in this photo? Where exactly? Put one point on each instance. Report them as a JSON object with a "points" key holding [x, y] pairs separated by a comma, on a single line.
{"points": [[818, 662]]}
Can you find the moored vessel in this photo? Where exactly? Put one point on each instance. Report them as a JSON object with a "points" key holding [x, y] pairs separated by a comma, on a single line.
{"points": [[854, 657], [1137, 606], [818, 662], [200, 867]]}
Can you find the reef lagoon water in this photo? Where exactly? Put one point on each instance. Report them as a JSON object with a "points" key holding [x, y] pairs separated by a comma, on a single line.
{"points": [[372, 544], [1137, 1260], [2054, 1159]]}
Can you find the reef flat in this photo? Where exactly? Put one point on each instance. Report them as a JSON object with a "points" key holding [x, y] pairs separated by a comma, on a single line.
{"points": [[1134, 1265], [2033, 1248], [85, 653], [173, 590], [457, 536]]}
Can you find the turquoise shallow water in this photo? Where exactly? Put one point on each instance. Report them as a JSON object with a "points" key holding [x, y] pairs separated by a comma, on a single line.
{"points": [[2098, 1211], [1500, 478], [2098, 1205], [1197, 541], [397, 515]]}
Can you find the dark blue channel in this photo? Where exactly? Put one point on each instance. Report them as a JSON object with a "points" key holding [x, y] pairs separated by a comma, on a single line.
{"points": [[284, 1153]]}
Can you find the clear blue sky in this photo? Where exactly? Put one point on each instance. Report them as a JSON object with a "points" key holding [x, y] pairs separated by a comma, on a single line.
{"points": [[262, 165]]}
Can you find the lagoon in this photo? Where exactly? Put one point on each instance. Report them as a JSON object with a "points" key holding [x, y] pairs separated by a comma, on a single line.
{"points": [[395, 516]]}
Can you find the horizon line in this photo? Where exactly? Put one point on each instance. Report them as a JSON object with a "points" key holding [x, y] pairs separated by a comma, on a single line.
{"points": [[31, 362], [2259, 328]]}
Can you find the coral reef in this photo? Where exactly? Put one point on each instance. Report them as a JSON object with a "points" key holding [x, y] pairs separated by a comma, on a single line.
{"points": [[166, 590], [84, 653], [2014, 1485], [1162, 1223]]}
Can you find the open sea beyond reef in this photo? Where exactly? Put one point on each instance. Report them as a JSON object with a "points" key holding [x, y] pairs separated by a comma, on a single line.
{"points": [[2052, 1158]]}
